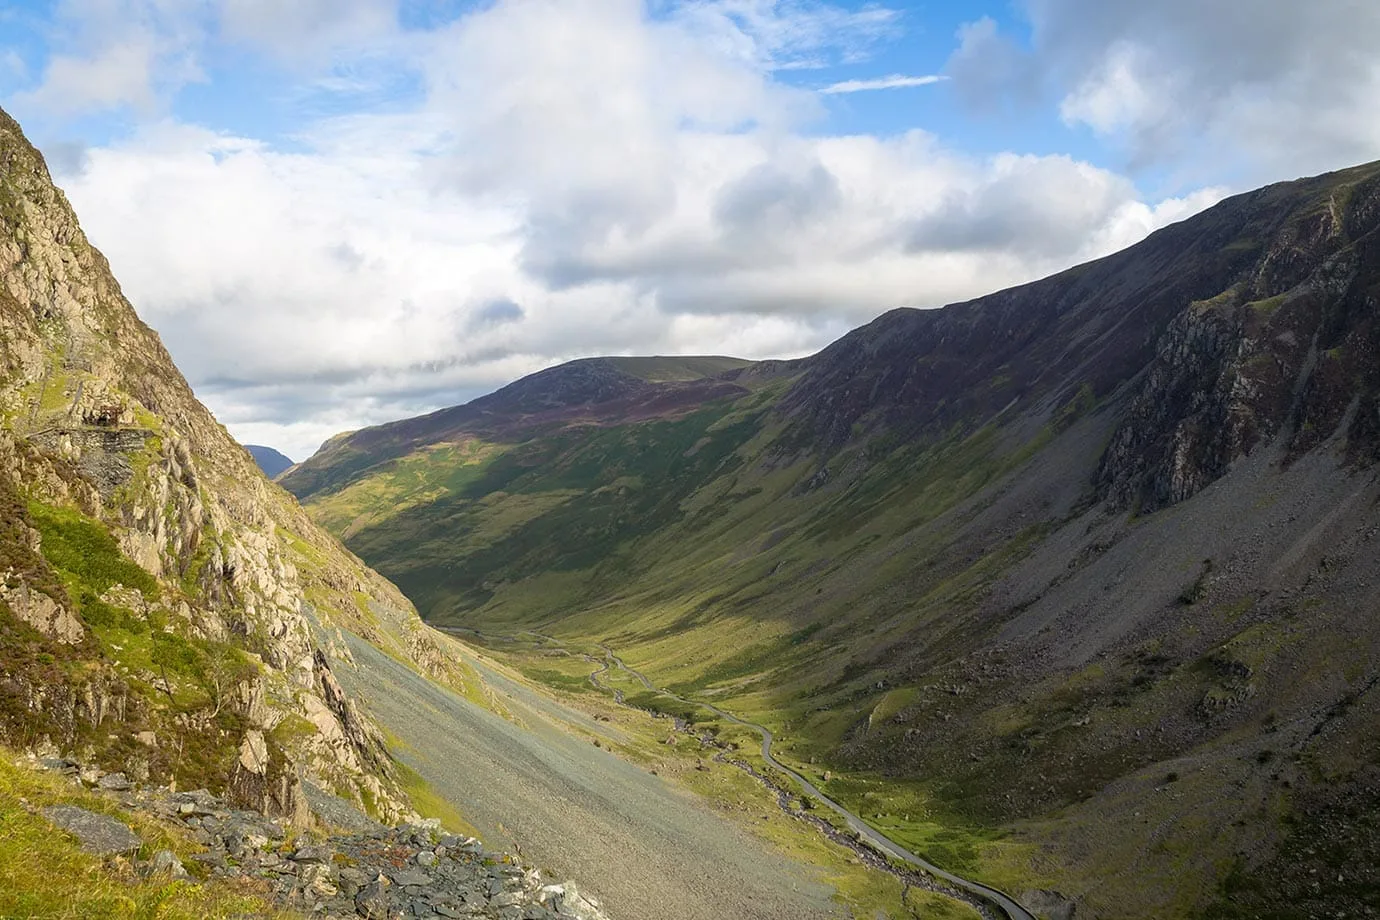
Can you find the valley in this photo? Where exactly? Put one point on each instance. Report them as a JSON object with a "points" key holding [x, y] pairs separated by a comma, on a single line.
{"points": [[868, 837], [651, 825], [1059, 598], [1025, 582]]}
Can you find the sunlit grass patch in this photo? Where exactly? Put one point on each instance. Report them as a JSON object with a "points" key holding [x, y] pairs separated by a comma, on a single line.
{"points": [[44, 874]]}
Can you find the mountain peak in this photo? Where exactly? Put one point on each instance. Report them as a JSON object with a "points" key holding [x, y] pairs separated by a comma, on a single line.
{"points": [[269, 460]]}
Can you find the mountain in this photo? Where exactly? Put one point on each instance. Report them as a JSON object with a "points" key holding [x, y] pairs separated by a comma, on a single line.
{"points": [[165, 611], [269, 460], [1070, 587]]}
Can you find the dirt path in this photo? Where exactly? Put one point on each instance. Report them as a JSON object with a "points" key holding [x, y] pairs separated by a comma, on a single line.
{"points": [[646, 849]]}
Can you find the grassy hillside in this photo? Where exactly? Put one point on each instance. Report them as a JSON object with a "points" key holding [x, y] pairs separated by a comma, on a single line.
{"points": [[44, 875], [1067, 587], [677, 369]]}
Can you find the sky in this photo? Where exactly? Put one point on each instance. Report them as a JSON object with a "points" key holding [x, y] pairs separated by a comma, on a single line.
{"points": [[341, 212]]}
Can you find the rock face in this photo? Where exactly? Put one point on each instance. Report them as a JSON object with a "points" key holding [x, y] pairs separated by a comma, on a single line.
{"points": [[1254, 317], [42, 612], [153, 585]]}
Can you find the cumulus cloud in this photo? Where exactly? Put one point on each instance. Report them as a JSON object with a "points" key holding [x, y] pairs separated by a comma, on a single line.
{"points": [[576, 177], [1026, 206], [124, 53], [1278, 87]]}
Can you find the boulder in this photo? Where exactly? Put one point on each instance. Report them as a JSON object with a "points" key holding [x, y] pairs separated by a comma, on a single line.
{"points": [[372, 901], [100, 835], [254, 753], [114, 782], [165, 864]]}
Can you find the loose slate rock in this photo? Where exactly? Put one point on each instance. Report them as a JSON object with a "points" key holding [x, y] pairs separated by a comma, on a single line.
{"points": [[98, 834], [407, 877], [372, 901], [166, 863], [114, 782], [312, 854]]}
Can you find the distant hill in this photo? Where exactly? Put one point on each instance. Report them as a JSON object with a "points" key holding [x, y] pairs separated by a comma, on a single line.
{"points": [[269, 460], [596, 391], [1086, 567]]}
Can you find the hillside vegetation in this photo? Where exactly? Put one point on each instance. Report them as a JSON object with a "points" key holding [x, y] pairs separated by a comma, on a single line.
{"points": [[164, 611], [1080, 571], [44, 875]]}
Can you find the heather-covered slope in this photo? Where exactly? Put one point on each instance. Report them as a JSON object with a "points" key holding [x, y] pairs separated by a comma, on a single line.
{"points": [[1068, 587], [164, 610]]}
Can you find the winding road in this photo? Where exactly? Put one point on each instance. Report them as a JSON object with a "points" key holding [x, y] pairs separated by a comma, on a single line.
{"points": [[1005, 902]]}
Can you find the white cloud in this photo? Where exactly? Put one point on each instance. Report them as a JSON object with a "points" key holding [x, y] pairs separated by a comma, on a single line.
{"points": [[1118, 95], [789, 34], [123, 53], [1271, 87], [581, 177], [305, 33], [119, 75], [895, 81]]}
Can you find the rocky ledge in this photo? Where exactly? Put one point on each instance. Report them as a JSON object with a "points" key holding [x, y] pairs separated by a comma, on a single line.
{"points": [[374, 871]]}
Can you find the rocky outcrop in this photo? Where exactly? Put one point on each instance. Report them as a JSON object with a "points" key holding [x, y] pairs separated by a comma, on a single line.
{"points": [[165, 581], [40, 611], [369, 871], [340, 719], [98, 835], [1285, 351], [1215, 335]]}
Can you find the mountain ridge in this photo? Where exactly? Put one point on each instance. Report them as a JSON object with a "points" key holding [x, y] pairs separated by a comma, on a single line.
{"points": [[269, 460], [1042, 564]]}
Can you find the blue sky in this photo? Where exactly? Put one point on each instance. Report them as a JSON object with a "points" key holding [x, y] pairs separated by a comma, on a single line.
{"points": [[243, 90], [337, 212]]}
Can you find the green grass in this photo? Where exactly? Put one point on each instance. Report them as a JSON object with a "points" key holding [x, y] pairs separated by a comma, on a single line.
{"points": [[431, 805], [44, 874], [85, 549], [163, 674], [669, 369]]}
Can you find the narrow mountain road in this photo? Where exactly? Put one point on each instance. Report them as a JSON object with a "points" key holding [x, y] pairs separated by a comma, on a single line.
{"points": [[645, 848], [1002, 900]]}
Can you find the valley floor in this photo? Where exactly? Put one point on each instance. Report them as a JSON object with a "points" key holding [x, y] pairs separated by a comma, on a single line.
{"points": [[644, 847]]}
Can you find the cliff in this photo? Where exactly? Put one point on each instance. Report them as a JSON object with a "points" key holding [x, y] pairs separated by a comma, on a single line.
{"points": [[164, 609]]}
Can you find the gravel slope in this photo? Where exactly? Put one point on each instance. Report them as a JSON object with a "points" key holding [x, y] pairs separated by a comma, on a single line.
{"points": [[648, 850]]}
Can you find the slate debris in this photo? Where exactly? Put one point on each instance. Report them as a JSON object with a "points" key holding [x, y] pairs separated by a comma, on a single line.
{"points": [[101, 835], [372, 871]]}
